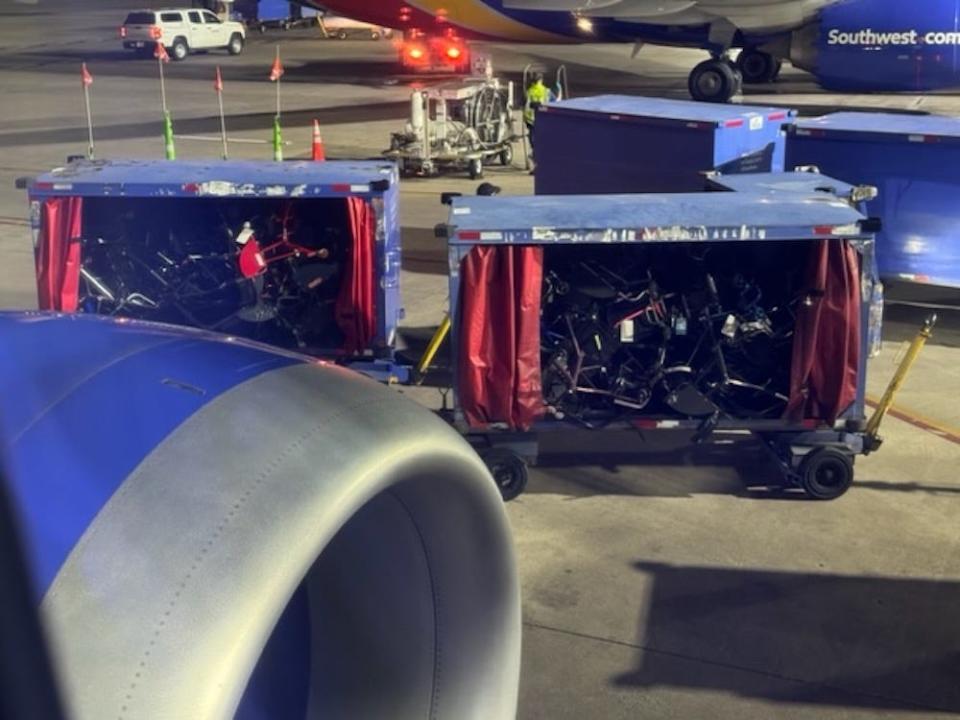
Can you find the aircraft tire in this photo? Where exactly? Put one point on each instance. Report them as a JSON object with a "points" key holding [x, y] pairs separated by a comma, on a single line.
{"points": [[757, 67], [714, 81]]}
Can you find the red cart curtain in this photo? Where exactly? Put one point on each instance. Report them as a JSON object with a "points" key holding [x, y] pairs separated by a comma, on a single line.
{"points": [[826, 344], [58, 253], [499, 359], [356, 304]]}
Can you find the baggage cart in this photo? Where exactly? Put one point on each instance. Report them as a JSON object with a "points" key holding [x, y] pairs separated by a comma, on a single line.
{"points": [[642, 311], [302, 255]]}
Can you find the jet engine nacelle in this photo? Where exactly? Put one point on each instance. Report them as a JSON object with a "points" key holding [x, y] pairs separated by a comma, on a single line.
{"points": [[218, 530], [882, 45]]}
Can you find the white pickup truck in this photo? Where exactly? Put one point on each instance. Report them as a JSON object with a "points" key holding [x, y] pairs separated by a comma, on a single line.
{"points": [[181, 32]]}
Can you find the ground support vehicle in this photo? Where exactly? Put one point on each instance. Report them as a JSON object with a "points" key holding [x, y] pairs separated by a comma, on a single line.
{"points": [[181, 31], [456, 127]]}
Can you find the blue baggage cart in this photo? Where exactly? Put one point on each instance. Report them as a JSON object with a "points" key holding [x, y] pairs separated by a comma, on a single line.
{"points": [[301, 255], [619, 144], [630, 310], [908, 158]]}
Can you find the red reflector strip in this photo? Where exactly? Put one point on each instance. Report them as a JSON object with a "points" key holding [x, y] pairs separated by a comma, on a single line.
{"points": [[340, 187], [643, 424], [733, 123], [810, 424], [469, 234], [777, 116], [823, 230]]}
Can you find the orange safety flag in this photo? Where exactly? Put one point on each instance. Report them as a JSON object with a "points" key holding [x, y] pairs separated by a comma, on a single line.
{"points": [[218, 81], [85, 77], [276, 71], [160, 53]]}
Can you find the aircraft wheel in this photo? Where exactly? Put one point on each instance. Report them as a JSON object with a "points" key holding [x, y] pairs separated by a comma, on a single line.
{"points": [[757, 67], [714, 81]]}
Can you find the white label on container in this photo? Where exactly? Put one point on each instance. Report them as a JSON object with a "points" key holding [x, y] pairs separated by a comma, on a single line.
{"points": [[461, 211], [359, 188], [756, 122], [491, 236], [626, 331]]}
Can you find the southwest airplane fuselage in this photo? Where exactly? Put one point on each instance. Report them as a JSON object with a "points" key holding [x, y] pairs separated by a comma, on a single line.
{"points": [[859, 45]]}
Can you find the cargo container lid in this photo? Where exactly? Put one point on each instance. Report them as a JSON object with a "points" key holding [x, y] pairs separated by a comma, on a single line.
{"points": [[688, 113], [794, 182], [652, 218], [215, 178], [889, 127]]}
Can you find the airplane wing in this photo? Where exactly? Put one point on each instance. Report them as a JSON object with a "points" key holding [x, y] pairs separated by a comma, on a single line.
{"points": [[745, 14]]}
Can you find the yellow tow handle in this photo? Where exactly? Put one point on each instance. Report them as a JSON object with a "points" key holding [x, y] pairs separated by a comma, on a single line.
{"points": [[435, 342], [873, 424]]}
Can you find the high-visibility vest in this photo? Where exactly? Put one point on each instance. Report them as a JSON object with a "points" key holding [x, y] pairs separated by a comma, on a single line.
{"points": [[536, 93]]}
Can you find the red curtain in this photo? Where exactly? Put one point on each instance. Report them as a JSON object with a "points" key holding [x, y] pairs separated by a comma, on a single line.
{"points": [[826, 345], [357, 302], [499, 358], [58, 253]]}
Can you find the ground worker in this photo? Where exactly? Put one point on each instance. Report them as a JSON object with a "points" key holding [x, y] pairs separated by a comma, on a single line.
{"points": [[538, 95]]}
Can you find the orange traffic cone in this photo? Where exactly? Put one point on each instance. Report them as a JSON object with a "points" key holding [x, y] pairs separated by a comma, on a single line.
{"points": [[318, 152]]}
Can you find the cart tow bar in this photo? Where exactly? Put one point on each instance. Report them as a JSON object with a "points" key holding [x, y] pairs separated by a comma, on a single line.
{"points": [[872, 440]]}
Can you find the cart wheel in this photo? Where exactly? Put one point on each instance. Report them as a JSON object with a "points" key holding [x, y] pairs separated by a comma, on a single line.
{"points": [[508, 469], [506, 155], [475, 168], [826, 473], [342, 35]]}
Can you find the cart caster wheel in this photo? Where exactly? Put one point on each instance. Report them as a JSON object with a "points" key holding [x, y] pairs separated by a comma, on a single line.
{"points": [[475, 168], [826, 473], [506, 156], [508, 470]]}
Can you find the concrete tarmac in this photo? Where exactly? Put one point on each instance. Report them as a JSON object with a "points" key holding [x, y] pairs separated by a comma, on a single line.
{"points": [[660, 580]]}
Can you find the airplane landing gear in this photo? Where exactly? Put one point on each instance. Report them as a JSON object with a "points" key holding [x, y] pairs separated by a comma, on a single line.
{"points": [[715, 80], [758, 67]]}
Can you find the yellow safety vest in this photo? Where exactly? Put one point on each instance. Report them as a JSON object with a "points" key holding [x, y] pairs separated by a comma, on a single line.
{"points": [[536, 93]]}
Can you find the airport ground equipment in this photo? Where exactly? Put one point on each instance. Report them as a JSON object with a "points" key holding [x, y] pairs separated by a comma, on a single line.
{"points": [[457, 127], [910, 159], [302, 255], [713, 313], [435, 52], [220, 529], [620, 144]]}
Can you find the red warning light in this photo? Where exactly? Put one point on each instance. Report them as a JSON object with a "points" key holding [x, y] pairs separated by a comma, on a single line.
{"points": [[454, 52], [415, 52]]}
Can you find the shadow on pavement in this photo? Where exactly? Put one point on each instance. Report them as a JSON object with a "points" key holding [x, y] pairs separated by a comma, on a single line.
{"points": [[821, 639], [585, 463]]}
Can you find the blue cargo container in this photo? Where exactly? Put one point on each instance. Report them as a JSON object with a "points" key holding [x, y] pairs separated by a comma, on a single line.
{"points": [[617, 144], [303, 255], [909, 159]]}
